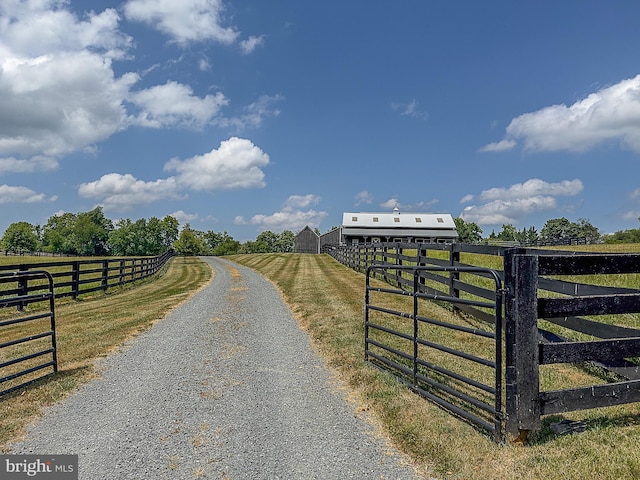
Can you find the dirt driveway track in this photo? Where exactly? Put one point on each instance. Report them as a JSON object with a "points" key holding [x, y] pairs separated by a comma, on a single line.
{"points": [[227, 387]]}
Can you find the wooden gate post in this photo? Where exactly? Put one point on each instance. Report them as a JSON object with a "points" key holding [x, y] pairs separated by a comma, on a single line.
{"points": [[522, 354]]}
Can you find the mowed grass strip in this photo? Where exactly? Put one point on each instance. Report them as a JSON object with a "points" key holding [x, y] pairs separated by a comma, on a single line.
{"points": [[91, 328], [327, 298]]}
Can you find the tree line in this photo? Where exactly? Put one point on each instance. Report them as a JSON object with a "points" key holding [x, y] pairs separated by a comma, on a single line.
{"points": [[92, 234], [554, 232]]}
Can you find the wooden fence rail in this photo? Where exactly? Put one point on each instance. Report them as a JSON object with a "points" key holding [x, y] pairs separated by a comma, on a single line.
{"points": [[75, 277]]}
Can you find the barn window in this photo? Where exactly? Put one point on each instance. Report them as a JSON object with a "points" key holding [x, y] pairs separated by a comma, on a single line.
{"points": [[375, 219], [440, 220], [418, 220], [396, 219], [354, 219]]}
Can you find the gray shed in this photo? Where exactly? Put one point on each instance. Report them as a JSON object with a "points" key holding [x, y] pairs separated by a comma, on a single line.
{"points": [[307, 241]]}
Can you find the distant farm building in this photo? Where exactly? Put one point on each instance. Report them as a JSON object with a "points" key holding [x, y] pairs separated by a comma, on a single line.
{"points": [[307, 241], [358, 228]]}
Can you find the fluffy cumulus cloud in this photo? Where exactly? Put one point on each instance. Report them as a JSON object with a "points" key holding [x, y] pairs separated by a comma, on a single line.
{"points": [[184, 21], [610, 114], [511, 205], [292, 216], [13, 194], [59, 91], [236, 164], [120, 192], [175, 104]]}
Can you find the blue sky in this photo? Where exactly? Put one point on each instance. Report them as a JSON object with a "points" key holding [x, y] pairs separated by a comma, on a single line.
{"points": [[244, 116]]}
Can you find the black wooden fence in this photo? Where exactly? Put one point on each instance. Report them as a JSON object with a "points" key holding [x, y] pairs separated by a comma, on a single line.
{"points": [[536, 303], [27, 335], [75, 277]]}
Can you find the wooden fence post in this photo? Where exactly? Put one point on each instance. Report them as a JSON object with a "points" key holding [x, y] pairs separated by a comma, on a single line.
{"points": [[454, 259], [105, 274], [522, 355], [75, 279]]}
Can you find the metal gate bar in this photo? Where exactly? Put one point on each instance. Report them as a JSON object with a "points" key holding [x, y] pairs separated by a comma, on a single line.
{"points": [[21, 297], [415, 372]]}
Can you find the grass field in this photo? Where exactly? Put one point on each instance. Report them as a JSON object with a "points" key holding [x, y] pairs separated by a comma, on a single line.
{"points": [[327, 298]]}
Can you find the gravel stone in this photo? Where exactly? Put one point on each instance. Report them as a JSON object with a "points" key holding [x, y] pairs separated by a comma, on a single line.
{"points": [[226, 386]]}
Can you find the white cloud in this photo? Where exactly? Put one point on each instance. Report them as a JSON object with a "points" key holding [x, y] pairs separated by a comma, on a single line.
{"points": [[294, 220], [533, 188], [409, 109], [511, 205], [35, 164], [254, 113], [501, 146], [53, 105], [390, 204], [36, 28], [121, 192], [251, 43], [185, 21], [408, 207], [363, 197], [174, 104], [610, 114], [466, 198], [237, 163], [58, 91], [184, 217], [291, 217], [301, 201], [12, 194]]}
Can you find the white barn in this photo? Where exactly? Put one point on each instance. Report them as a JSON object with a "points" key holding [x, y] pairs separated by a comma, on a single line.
{"points": [[360, 227]]}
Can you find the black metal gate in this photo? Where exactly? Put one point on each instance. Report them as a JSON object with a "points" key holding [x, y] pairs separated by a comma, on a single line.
{"points": [[444, 359], [27, 335]]}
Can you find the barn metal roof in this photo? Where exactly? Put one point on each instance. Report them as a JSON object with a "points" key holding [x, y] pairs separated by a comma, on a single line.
{"points": [[398, 220]]}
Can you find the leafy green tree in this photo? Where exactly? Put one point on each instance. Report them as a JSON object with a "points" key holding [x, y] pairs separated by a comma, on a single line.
{"points": [[228, 247], [189, 243], [286, 241], [20, 237], [57, 234], [623, 236], [468, 232], [559, 230], [91, 233], [528, 236], [509, 233], [587, 231], [169, 232], [122, 239]]}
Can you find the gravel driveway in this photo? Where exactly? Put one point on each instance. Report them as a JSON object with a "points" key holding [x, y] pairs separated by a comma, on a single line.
{"points": [[226, 386]]}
